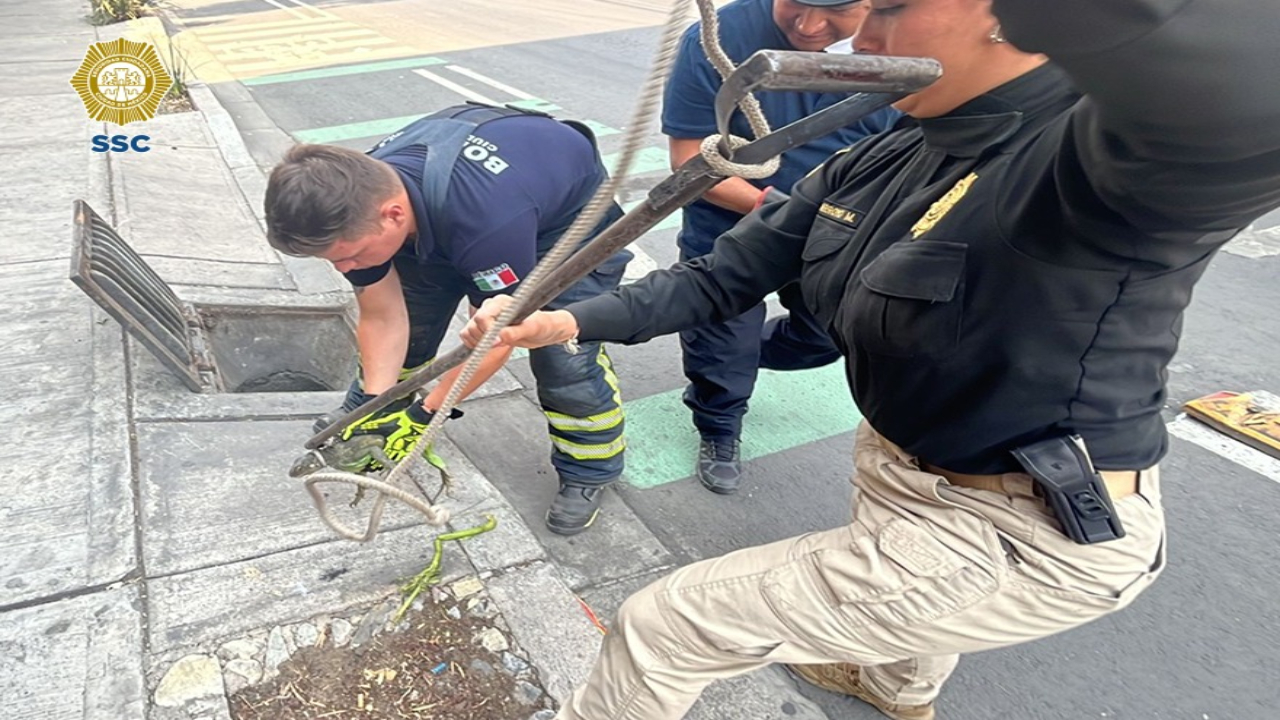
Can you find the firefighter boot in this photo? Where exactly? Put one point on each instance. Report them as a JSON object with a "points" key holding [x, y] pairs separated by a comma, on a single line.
{"points": [[574, 508]]}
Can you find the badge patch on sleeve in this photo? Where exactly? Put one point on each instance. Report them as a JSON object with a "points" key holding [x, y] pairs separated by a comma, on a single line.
{"points": [[495, 278]]}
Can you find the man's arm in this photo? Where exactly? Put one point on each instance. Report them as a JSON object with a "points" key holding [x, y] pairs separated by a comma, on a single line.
{"points": [[490, 365], [382, 332], [1180, 132], [733, 193]]}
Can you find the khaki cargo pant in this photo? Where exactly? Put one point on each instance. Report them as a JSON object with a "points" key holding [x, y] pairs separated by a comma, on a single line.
{"points": [[925, 571]]}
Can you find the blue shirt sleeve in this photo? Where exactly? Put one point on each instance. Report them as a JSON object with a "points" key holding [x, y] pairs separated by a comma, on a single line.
{"points": [[688, 102], [368, 276]]}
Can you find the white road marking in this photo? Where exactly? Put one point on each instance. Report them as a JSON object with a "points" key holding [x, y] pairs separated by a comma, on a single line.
{"points": [[451, 85], [292, 11], [314, 9], [1237, 452], [490, 82], [1255, 243], [642, 264]]}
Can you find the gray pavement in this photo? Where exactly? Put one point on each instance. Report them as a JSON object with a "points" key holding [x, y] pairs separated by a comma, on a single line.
{"points": [[154, 557]]}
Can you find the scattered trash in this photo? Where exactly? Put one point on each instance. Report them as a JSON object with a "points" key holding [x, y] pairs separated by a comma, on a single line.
{"points": [[592, 616]]}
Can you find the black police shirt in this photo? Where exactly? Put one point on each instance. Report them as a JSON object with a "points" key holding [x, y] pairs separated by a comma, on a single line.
{"points": [[1018, 268]]}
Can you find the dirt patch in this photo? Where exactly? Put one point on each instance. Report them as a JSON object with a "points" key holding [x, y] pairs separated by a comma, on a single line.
{"points": [[170, 104], [435, 668]]}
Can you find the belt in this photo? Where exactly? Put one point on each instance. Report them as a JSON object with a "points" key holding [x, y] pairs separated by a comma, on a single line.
{"points": [[1120, 483]]}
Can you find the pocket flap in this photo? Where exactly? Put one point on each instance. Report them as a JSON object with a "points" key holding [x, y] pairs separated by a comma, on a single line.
{"points": [[920, 270]]}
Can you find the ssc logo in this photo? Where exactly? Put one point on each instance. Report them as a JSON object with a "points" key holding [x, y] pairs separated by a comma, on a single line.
{"points": [[121, 81]]}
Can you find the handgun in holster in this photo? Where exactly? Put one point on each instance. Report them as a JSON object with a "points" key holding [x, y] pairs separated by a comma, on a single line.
{"points": [[1065, 477]]}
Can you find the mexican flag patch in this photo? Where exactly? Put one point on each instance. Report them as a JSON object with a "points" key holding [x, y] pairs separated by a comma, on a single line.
{"points": [[495, 278]]}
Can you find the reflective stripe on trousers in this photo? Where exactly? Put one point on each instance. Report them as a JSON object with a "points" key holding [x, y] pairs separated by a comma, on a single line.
{"points": [[582, 402]]}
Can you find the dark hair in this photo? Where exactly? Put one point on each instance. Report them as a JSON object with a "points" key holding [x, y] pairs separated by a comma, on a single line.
{"points": [[320, 194]]}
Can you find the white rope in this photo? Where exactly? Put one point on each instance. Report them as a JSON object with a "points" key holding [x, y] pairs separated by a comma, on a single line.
{"points": [[710, 148]]}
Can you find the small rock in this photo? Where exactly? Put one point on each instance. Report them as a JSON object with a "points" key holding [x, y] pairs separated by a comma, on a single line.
{"points": [[481, 668], [277, 652], [287, 633], [513, 663], [418, 604], [340, 631], [543, 715], [466, 587], [454, 612], [240, 674], [238, 650], [376, 618], [492, 639], [526, 693], [483, 609], [437, 595], [191, 678], [306, 635]]}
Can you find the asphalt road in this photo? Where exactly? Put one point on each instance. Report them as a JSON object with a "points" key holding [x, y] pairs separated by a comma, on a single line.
{"points": [[1201, 645]]}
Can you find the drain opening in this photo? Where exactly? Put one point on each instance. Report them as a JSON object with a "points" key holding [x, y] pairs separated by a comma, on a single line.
{"points": [[211, 348]]}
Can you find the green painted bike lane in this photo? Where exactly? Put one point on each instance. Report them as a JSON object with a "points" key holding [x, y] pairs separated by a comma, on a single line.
{"points": [[788, 410]]}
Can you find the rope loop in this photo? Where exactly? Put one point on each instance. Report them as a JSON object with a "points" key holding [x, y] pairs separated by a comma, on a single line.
{"points": [[727, 168]]}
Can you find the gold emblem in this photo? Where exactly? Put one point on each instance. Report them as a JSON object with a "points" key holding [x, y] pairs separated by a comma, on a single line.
{"points": [[121, 81], [942, 206], [835, 212]]}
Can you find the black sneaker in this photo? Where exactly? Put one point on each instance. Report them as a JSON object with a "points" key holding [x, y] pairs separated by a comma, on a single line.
{"points": [[574, 508], [719, 465]]}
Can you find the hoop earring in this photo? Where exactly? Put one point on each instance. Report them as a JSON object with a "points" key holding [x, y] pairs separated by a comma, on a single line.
{"points": [[996, 35]]}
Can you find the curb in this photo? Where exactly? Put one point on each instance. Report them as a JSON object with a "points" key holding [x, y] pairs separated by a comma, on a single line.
{"points": [[312, 277]]}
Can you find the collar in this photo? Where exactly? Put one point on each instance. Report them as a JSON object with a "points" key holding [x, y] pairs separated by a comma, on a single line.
{"points": [[995, 116]]}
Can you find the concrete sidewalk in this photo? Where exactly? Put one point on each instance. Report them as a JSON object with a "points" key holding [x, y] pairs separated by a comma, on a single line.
{"points": [[154, 556]]}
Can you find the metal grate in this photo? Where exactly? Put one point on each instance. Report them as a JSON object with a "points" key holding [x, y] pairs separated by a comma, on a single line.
{"points": [[118, 279]]}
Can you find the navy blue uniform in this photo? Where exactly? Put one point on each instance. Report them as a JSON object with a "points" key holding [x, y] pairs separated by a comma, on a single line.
{"points": [[516, 186], [721, 359]]}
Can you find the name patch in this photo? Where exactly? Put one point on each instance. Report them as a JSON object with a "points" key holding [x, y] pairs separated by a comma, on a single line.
{"points": [[839, 214]]}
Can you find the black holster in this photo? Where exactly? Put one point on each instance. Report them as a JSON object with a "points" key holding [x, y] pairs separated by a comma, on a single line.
{"points": [[1074, 491]]}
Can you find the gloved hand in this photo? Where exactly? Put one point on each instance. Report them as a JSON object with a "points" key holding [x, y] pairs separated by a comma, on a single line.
{"points": [[399, 428]]}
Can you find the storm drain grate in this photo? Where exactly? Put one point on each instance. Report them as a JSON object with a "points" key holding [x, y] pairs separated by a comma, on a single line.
{"points": [[120, 281]]}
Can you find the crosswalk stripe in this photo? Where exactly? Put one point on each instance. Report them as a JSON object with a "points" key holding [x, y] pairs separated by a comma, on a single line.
{"points": [[356, 50], [1237, 452], [490, 82], [206, 27], [292, 11], [277, 39], [327, 72], [451, 85]]}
